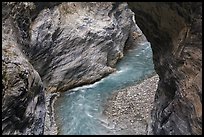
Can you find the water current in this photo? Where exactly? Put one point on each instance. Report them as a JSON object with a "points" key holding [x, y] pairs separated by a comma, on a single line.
{"points": [[80, 112]]}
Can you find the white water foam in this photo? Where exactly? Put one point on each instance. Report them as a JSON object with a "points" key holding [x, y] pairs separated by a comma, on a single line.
{"points": [[81, 113], [87, 86]]}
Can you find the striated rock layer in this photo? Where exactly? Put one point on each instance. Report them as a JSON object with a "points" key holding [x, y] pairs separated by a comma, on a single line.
{"points": [[23, 101], [51, 47], [78, 43], [174, 30]]}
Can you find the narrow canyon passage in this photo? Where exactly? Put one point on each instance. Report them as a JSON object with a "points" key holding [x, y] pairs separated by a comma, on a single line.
{"points": [[72, 59], [80, 112]]}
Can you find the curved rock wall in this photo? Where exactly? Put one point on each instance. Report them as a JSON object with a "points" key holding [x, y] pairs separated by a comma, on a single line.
{"points": [[175, 33]]}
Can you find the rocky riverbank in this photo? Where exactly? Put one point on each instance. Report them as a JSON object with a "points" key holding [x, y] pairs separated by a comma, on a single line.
{"points": [[129, 108], [50, 127]]}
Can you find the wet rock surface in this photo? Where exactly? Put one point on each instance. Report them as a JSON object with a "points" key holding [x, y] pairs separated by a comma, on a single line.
{"points": [[128, 109], [176, 40]]}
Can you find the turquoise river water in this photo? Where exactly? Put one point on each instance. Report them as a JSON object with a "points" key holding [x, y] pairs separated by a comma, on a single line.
{"points": [[80, 112]]}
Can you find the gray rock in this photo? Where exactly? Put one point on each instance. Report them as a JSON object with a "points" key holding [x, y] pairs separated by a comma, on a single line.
{"points": [[78, 43], [71, 44], [54, 47], [23, 101]]}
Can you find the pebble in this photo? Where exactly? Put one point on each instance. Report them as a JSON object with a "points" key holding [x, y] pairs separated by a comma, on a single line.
{"points": [[132, 105]]}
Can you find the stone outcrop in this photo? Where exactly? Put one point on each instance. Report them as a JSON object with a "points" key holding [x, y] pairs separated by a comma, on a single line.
{"points": [[175, 33]]}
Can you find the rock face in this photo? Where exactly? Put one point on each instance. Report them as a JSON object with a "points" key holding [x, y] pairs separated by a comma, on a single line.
{"points": [[78, 43], [53, 47], [23, 104], [70, 44], [174, 30]]}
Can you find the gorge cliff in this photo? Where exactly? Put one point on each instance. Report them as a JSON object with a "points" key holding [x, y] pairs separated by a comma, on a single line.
{"points": [[52, 47], [175, 33]]}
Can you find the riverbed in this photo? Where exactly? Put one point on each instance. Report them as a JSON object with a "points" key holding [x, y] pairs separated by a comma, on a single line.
{"points": [[80, 111]]}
